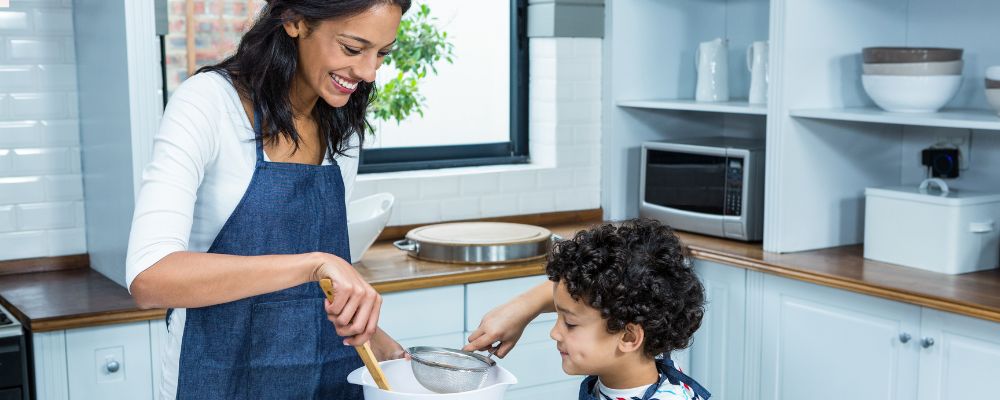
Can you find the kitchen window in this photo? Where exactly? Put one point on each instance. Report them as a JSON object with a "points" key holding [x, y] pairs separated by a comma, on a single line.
{"points": [[474, 109]]}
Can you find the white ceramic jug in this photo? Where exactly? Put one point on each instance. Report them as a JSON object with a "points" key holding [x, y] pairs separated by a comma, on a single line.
{"points": [[757, 64], [713, 67]]}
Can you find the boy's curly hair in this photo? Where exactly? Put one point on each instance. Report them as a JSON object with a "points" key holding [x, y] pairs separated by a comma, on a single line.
{"points": [[633, 272]]}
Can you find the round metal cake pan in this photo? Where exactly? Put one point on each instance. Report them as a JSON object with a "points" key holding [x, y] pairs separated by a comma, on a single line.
{"points": [[477, 242]]}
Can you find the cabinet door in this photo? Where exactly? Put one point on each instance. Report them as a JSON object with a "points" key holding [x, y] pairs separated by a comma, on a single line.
{"points": [[964, 360], [823, 343], [421, 313], [451, 340], [567, 390], [157, 346], [717, 353], [109, 362]]}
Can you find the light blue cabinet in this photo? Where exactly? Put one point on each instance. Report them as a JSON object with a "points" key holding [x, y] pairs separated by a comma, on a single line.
{"points": [[959, 357], [717, 352], [823, 343], [425, 312]]}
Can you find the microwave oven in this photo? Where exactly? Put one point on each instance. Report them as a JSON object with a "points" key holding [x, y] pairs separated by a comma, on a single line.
{"points": [[712, 186]]}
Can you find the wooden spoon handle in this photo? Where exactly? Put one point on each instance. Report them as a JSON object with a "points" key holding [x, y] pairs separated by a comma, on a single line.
{"points": [[365, 350]]}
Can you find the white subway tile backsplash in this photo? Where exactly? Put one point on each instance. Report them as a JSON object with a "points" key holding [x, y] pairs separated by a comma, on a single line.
{"points": [[66, 242], [40, 49], [543, 68], [16, 245], [50, 20], [363, 189], [555, 178], [57, 77], [64, 188], [419, 212], [460, 208], [15, 190], [41, 189], [517, 181], [38, 105], [541, 48], [401, 188], [587, 90], [574, 70], [499, 205], [439, 187], [588, 177], [7, 222], [49, 216], [44, 161], [582, 199], [60, 132], [587, 48], [587, 134], [19, 134], [479, 183], [540, 202], [17, 77], [14, 21]]}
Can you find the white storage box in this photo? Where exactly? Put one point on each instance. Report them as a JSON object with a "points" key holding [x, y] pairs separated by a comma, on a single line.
{"points": [[951, 232]]}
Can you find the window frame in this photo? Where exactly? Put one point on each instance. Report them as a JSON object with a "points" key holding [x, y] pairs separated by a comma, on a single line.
{"points": [[513, 151]]}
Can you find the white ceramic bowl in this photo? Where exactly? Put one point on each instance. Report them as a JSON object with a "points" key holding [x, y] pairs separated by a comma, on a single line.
{"points": [[911, 94], [366, 217], [993, 97], [993, 72], [405, 386], [915, 69]]}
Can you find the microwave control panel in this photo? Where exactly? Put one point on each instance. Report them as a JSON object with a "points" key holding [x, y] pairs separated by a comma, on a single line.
{"points": [[734, 186]]}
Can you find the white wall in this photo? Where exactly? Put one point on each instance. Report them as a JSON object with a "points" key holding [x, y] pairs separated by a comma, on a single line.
{"points": [[565, 132], [41, 192]]}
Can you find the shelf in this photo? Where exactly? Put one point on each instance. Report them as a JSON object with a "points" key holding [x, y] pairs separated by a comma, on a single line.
{"points": [[731, 107], [947, 118]]}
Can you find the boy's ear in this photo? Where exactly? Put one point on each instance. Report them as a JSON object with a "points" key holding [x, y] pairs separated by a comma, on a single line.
{"points": [[632, 338]]}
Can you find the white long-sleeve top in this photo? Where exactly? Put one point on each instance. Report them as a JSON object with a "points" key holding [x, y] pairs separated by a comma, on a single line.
{"points": [[203, 159]]}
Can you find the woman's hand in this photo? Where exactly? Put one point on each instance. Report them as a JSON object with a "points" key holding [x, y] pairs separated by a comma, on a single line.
{"points": [[385, 347], [356, 305]]}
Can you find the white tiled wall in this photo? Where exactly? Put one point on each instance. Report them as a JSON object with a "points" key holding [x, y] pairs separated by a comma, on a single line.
{"points": [[41, 192], [564, 143]]}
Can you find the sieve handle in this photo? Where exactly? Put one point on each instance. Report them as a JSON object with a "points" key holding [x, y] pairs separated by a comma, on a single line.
{"points": [[365, 350]]}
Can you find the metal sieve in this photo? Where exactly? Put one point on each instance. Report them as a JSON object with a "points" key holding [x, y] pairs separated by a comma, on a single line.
{"points": [[444, 370]]}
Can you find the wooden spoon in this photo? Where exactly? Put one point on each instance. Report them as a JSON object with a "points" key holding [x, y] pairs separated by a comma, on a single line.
{"points": [[365, 350]]}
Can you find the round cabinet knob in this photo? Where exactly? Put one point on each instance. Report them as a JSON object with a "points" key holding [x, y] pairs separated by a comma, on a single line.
{"points": [[927, 342], [112, 366], [904, 337]]}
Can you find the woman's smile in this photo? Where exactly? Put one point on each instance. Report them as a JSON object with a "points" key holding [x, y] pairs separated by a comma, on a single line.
{"points": [[342, 84]]}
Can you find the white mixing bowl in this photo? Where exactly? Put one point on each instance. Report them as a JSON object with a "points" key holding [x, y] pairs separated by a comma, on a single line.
{"points": [[405, 386], [366, 217], [911, 94]]}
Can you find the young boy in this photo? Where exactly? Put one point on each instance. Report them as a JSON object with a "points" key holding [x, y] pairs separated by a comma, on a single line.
{"points": [[624, 295]]}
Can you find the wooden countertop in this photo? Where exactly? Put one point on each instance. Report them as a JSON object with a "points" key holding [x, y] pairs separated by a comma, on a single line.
{"points": [[46, 301]]}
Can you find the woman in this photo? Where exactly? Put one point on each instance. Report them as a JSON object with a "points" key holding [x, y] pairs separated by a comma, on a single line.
{"points": [[242, 209]]}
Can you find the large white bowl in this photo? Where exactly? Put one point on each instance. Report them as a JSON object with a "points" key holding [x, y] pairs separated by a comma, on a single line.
{"points": [[366, 217], [993, 97], [405, 386], [993, 73], [916, 69], [911, 94]]}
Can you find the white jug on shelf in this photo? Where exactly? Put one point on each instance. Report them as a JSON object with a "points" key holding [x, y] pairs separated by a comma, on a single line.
{"points": [[713, 67], [757, 64]]}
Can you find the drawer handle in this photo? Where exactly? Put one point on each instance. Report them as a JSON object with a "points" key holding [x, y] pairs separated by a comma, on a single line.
{"points": [[112, 366], [927, 342], [981, 227], [904, 337]]}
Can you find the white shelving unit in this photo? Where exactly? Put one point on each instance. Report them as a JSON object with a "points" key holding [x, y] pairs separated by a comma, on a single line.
{"points": [[948, 118], [732, 107], [826, 140]]}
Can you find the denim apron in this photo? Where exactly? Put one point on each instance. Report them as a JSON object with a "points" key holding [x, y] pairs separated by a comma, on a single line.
{"points": [[667, 374], [277, 345]]}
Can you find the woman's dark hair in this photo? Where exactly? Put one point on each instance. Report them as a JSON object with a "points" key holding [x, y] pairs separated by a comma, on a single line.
{"points": [[266, 60], [633, 272]]}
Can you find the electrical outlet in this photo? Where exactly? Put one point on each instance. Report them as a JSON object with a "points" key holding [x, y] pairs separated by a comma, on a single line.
{"points": [[960, 139]]}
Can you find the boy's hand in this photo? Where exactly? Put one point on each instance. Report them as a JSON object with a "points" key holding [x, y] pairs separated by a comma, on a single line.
{"points": [[503, 324]]}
